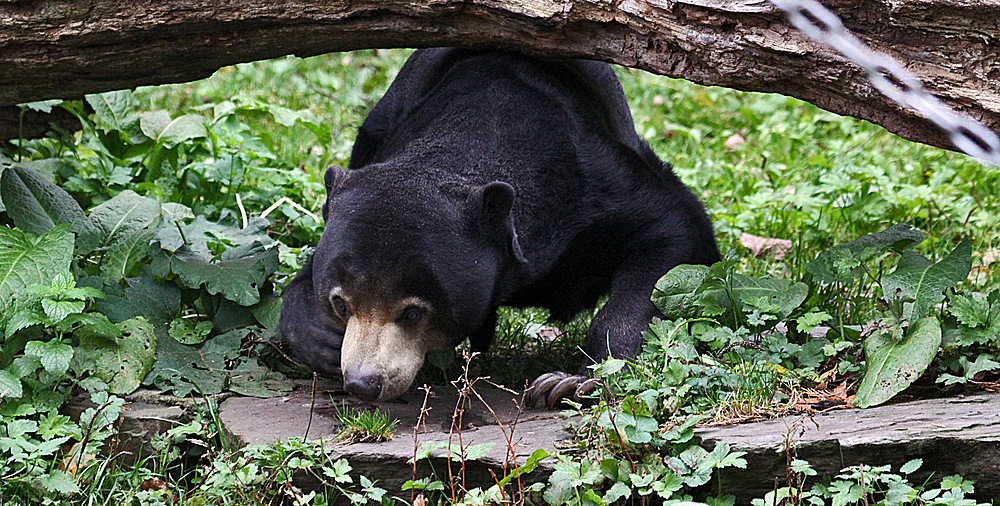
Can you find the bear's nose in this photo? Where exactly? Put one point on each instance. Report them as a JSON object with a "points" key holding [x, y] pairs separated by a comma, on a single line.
{"points": [[367, 387]]}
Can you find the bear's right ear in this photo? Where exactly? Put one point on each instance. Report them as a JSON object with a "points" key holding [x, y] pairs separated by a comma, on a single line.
{"points": [[491, 206], [334, 179]]}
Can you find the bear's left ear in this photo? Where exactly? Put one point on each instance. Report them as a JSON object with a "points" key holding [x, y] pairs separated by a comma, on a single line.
{"points": [[333, 179], [490, 206]]}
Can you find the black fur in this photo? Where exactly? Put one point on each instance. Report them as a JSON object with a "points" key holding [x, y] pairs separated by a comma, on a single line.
{"points": [[487, 178]]}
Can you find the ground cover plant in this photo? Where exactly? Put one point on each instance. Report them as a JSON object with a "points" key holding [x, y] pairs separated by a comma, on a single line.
{"points": [[150, 247]]}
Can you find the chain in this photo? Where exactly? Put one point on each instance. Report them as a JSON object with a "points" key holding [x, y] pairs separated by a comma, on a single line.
{"points": [[892, 79]]}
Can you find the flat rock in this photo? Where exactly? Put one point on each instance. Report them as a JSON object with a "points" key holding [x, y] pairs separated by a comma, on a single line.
{"points": [[951, 435], [487, 419]]}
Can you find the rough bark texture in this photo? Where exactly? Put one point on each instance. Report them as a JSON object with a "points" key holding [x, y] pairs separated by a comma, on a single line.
{"points": [[66, 48]]}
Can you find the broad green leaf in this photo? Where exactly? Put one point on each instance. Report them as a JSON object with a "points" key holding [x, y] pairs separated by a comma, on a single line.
{"points": [[123, 364], [126, 255], [268, 311], [917, 277], [167, 132], [674, 294], [891, 365], [10, 386], [842, 263], [36, 205], [125, 213], [688, 292], [116, 112], [184, 369], [27, 260], [55, 357], [157, 302], [197, 235], [58, 310], [237, 278], [189, 332], [254, 380], [95, 326]]}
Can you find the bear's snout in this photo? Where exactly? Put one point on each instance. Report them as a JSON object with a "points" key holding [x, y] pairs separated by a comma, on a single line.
{"points": [[365, 385]]}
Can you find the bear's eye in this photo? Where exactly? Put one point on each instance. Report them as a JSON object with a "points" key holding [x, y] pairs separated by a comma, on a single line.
{"points": [[339, 307], [410, 315]]}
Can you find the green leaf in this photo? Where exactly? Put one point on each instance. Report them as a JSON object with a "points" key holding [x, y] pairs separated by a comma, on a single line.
{"points": [[911, 466], [126, 255], [842, 263], [58, 482], [125, 363], [917, 277], [674, 294], [186, 369], [58, 310], [36, 205], [238, 276], [891, 365], [158, 302], [55, 356], [689, 291], [187, 331], [125, 213], [969, 310], [43, 106], [10, 386], [167, 132], [254, 380], [116, 112]]}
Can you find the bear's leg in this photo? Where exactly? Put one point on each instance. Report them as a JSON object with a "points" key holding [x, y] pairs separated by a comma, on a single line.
{"points": [[616, 330]]}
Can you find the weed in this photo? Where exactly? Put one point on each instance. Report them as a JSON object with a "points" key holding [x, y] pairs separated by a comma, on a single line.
{"points": [[365, 426]]}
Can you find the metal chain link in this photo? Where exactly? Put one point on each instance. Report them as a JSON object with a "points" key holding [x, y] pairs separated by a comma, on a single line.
{"points": [[892, 79]]}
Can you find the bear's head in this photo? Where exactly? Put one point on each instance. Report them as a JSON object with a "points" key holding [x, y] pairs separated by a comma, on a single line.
{"points": [[402, 270]]}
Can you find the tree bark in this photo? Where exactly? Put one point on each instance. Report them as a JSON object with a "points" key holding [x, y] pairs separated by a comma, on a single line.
{"points": [[67, 48]]}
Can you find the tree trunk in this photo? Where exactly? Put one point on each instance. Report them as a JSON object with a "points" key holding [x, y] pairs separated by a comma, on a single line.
{"points": [[66, 48]]}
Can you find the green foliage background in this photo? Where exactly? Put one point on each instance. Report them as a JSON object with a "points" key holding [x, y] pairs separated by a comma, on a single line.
{"points": [[150, 247]]}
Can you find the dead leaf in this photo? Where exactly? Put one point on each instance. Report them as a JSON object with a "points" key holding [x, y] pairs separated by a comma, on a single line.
{"points": [[734, 140], [762, 247], [991, 255]]}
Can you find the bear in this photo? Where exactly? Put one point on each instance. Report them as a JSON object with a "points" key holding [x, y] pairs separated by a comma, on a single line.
{"points": [[488, 178]]}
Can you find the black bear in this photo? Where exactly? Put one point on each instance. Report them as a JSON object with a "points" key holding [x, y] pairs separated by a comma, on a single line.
{"points": [[481, 179]]}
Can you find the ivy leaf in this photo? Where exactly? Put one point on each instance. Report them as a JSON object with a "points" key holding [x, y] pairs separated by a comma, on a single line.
{"points": [[917, 277], [55, 356], [842, 263], [126, 212], [892, 365], [37, 205]]}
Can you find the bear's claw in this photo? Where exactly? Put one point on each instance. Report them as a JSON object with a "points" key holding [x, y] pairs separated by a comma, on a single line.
{"points": [[553, 387]]}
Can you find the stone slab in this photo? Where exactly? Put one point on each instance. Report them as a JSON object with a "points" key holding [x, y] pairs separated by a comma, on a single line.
{"points": [[262, 421], [951, 435]]}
